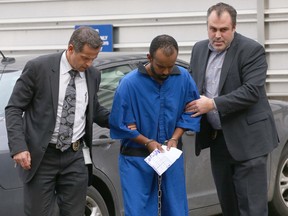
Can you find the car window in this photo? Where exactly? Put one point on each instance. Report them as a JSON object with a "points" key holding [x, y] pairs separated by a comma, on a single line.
{"points": [[109, 81], [7, 82]]}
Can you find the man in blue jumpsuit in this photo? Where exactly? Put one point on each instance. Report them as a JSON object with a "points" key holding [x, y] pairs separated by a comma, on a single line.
{"points": [[148, 110]]}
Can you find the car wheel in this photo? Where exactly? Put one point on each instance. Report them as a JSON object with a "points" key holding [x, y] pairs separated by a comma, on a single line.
{"points": [[279, 204], [95, 204]]}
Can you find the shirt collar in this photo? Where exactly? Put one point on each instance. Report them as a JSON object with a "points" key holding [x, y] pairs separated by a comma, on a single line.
{"points": [[142, 69]]}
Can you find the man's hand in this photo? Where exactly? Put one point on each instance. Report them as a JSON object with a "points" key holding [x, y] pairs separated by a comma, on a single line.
{"points": [[200, 106], [171, 143], [151, 146], [23, 159]]}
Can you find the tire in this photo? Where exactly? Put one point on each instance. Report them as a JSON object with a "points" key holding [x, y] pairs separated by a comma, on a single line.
{"points": [[279, 203], [95, 204]]}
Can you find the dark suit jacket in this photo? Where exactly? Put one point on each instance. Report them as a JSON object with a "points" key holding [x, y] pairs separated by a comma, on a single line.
{"points": [[32, 108], [245, 114]]}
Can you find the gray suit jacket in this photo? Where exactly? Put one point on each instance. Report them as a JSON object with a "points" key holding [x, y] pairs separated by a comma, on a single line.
{"points": [[32, 109], [245, 114]]}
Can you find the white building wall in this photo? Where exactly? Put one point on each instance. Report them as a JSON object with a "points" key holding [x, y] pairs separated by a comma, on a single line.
{"points": [[43, 26]]}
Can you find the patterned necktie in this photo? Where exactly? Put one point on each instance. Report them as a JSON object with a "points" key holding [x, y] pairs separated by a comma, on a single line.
{"points": [[68, 115]]}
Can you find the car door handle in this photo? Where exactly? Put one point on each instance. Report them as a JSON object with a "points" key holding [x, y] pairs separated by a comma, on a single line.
{"points": [[102, 142]]}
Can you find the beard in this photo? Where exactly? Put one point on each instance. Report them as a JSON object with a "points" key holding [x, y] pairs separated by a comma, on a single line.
{"points": [[158, 76]]}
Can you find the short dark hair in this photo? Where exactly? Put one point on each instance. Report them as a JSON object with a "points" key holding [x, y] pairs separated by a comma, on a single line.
{"points": [[165, 42], [222, 7], [85, 35]]}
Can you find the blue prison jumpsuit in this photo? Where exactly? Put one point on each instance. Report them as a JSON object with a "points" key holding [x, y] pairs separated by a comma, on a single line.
{"points": [[157, 110]]}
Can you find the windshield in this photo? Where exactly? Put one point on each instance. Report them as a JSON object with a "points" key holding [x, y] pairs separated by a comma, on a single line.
{"points": [[7, 82]]}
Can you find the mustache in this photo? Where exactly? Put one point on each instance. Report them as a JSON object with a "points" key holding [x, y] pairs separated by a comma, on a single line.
{"points": [[218, 40]]}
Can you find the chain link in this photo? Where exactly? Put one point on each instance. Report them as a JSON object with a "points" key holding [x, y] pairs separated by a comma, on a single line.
{"points": [[159, 195]]}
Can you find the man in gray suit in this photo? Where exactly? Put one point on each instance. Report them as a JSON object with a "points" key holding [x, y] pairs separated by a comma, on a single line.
{"points": [[237, 123], [33, 117]]}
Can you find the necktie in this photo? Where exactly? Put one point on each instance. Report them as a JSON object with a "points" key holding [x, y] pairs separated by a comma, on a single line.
{"points": [[68, 115]]}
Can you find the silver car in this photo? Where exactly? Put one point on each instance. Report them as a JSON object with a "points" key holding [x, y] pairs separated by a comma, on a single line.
{"points": [[104, 196]]}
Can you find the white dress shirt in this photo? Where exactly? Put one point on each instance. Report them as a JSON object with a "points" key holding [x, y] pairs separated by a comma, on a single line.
{"points": [[81, 100]]}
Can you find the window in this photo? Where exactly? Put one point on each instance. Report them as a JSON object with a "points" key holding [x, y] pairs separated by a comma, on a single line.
{"points": [[110, 78]]}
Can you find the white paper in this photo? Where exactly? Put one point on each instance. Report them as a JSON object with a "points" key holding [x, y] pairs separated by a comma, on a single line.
{"points": [[161, 161], [86, 154]]}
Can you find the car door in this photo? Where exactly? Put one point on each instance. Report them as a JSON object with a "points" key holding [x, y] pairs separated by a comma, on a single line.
{"points": [[201, 191], [11, 191], [106, 150]]}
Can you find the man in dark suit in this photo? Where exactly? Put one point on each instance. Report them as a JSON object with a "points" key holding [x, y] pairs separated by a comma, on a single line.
{"points": [[38, 101], [237, 123]]}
